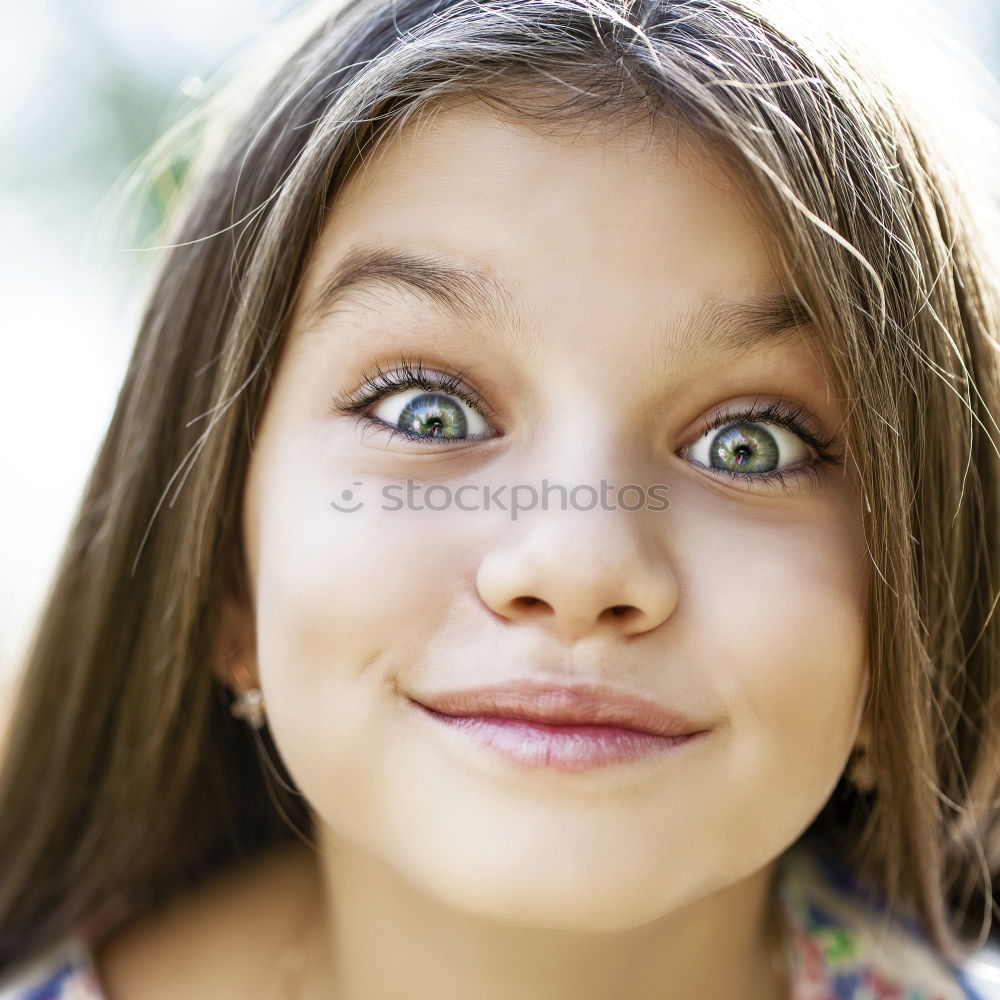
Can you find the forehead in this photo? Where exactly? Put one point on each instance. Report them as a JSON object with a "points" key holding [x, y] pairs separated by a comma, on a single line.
{"points": [[613, 235], [479, 185]]}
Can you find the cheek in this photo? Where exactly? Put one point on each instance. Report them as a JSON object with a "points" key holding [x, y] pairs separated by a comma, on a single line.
{"points": [[337, 575], [335, 587], [784, 618], [334, 592]]}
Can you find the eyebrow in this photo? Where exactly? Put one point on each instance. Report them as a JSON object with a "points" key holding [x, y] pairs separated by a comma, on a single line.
{"points": [[474, 296]]}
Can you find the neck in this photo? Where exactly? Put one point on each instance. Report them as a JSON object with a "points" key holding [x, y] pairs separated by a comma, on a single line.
{"points": [[377, 935]]}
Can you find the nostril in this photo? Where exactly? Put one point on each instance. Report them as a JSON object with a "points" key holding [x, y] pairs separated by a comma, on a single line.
{"points": [[621, 613]]}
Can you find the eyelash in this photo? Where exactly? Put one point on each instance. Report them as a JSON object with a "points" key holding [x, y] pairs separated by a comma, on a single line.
{"points": [[379, 383], [781, 413]]}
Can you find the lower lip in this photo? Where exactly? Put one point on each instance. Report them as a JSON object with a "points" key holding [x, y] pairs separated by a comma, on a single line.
{"points": [[560, 748]]}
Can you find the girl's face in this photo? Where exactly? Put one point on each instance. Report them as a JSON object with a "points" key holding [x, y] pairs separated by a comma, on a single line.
{"points": [[621, 304]]}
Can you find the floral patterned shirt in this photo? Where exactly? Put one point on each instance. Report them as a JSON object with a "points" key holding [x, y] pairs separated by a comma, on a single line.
{"points": [[843, 947], [840, 946], [63, 972]]}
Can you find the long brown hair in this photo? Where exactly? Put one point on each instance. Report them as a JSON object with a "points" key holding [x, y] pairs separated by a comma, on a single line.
{"points": [[124, 772]]}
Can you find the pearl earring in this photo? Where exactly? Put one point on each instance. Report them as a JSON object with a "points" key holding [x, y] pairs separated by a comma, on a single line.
{"points": [[249, 705], [860, 771]]}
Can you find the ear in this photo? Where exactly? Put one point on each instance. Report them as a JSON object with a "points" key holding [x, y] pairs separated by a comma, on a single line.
{"points": [[234, 645]]}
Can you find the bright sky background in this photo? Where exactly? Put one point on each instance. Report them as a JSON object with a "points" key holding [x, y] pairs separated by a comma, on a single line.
{"points": [[84, 87]]}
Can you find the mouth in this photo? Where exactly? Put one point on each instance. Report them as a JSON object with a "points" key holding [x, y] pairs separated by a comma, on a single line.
{"points": [[563, 728]]}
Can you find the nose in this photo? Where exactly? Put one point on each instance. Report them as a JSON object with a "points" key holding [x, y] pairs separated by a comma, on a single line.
{"points": [[580, 572]]}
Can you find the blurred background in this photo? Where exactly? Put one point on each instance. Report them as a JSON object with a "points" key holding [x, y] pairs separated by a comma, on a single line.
{"points": [[86, 87]]}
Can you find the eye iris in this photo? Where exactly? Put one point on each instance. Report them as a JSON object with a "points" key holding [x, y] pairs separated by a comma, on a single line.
{"points": [[433, 415], [744, 446]]}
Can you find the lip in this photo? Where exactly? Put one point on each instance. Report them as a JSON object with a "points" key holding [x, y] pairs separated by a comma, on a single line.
{"points": [[559, 705], [567, 729]]}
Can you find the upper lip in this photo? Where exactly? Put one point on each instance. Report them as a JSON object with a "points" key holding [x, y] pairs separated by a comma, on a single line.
{"points": [[579, 704]]}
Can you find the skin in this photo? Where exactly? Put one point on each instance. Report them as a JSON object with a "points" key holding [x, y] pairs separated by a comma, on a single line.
{"points": [[439, 868]]}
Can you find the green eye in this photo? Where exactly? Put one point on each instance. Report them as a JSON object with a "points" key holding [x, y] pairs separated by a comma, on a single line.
{"points": [[749, 448], [746, 447], [419, 404], [432, 415]]}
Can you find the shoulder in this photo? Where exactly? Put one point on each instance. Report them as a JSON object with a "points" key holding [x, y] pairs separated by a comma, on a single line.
{"points": [[841, 934], [64, 971], [217, 941], [223, 940]]}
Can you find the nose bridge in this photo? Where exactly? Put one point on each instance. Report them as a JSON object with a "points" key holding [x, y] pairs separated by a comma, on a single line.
{"points": [[596, 459]]}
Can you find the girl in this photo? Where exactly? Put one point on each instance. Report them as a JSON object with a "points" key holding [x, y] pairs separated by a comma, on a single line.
{"points": [[545, 545]]}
